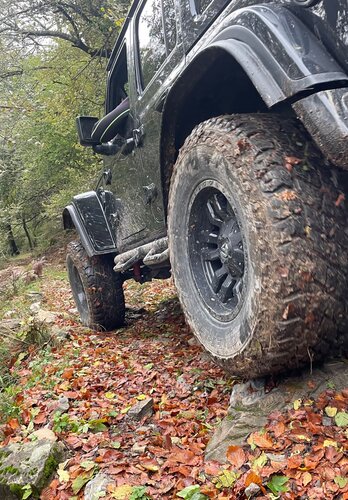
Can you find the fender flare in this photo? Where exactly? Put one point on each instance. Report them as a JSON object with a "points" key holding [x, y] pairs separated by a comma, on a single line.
{"points": [[279, 54], [85, 214]]}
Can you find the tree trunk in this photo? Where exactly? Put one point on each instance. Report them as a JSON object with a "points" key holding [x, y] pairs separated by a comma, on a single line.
{"points": [[27, 234], [11, 241]]}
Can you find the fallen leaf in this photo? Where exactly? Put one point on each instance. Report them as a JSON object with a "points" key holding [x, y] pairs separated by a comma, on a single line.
{"points": [[341, 419], [306, 478], [330, 411], [236, 456]]}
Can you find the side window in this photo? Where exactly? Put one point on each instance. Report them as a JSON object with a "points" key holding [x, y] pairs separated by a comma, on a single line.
{"points": [[156, 36], [118, 83], [169, 24]]}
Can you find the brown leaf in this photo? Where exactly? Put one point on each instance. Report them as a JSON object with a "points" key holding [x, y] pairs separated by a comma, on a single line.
{"points": [[294, 462], [292, 160], [261, 440], [68, 373], [236, 456], [252, 477]]}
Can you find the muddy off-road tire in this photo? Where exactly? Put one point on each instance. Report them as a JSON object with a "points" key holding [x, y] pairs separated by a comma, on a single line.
{"points": [[96, 288], [258, 244]]}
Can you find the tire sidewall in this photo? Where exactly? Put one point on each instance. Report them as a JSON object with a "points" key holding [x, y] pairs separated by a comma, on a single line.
{"points": [[223, 339], [73, 269]]}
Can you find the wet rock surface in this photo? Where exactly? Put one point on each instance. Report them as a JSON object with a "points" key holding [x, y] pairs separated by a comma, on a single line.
{"points": [[252, 402], [29, 464]]}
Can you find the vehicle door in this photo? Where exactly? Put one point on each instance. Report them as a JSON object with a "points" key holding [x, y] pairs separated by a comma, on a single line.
{"points": [[122, 197], [160, 57]]}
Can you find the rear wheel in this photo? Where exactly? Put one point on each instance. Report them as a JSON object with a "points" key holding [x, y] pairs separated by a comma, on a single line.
{"points": [[96, 288], [258, 244]]}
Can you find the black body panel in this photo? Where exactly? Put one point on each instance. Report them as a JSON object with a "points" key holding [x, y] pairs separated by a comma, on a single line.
{"points": [[286, 53]]}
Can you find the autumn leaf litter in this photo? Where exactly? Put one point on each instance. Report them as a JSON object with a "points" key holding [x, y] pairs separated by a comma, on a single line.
{"points": [[84, 391]]}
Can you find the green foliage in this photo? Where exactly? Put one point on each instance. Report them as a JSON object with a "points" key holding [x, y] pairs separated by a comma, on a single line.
{"points": [[192, 493], [41, 164], [139, 493], [277, 484]]}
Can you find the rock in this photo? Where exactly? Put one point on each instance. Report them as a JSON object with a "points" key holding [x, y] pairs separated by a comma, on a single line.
{"points": [[141, 409], [30, 463], [35, 307], [97, 487], [35, 296], [138, 449], [327, 421], [250, 405], [275, 458], [46, 316], [63, 405], [192, 341], [252, 490], [58, 335], [45, 433], [7, 325]]}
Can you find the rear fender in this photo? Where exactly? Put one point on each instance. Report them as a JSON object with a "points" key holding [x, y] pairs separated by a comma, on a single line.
{"points": [[86, 215]]}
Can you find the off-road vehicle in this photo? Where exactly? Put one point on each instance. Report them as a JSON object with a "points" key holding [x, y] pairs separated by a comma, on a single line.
{"points": [[225, 136]]}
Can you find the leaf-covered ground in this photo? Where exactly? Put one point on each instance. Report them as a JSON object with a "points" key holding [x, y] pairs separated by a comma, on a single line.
{"points": [[95, 379]]}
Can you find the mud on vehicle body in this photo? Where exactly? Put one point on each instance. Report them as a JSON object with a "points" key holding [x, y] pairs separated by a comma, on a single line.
{"points": [[225, 142]]}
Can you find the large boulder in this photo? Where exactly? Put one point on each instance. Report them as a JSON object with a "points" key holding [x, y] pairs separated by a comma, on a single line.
{"points": [[251, 403], [24, 465]]}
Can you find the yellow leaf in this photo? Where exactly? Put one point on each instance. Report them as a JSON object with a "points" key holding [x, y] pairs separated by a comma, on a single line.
{"points": [[125, 410], [65, 386], [306, 478], [63, 475], [150, 467], [297, 404], [329, 442], [110, 395], [304, 438], [122, 492], [330, 411], [141, 397]]}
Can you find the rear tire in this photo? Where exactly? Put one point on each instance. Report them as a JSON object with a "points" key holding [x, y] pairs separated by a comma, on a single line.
{"points": [[96, 288], [258, 244]]}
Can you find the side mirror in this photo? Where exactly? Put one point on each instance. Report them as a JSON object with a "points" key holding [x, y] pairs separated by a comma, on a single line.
{"points": [[84, 125]]}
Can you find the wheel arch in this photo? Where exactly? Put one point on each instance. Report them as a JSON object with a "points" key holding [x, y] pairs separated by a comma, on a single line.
{"points": [[266, 57], [86, 216]]}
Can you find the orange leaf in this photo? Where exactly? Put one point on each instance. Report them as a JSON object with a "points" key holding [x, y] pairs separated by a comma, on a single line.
{"points": [[68, 373], [260, 440], [294, 461], [14, 424], [236, 456], [252, 477], [278, 429]]}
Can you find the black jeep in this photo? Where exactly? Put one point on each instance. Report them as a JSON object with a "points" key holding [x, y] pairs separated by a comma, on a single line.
{"points": [[225, 140]]}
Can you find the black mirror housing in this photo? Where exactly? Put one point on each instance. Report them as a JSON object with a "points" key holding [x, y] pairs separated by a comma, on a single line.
{"points": [[84, 125]]}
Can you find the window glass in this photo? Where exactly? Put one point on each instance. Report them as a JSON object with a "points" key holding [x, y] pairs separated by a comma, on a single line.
{"points": [[152, 48], [203, 5], [118, 90], [169, 24]]}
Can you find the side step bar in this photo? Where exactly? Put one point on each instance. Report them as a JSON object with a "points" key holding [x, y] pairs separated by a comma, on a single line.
{"points": [[152, 254]]}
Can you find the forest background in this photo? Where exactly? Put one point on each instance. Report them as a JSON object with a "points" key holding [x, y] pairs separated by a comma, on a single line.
{"points": [[53, 56]]}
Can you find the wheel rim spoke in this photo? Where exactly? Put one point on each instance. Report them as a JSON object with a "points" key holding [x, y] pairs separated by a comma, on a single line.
{"points": [[218, 278], [210, 254], [226, 289], [217, 254], [212, 215]]}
